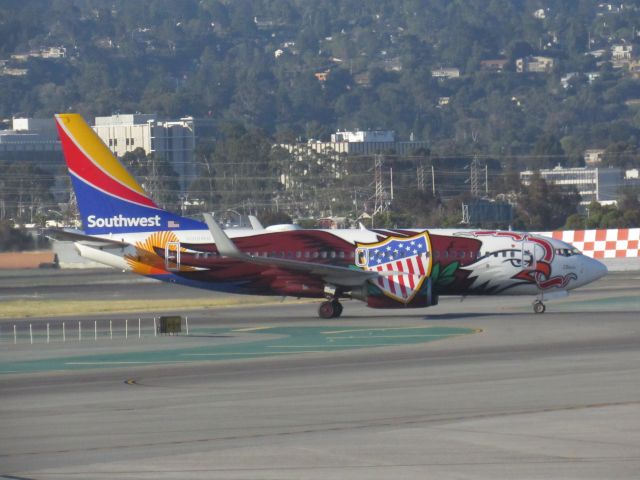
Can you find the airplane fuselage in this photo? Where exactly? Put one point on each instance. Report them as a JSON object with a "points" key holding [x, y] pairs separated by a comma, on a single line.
{"points": [[460, 262]]}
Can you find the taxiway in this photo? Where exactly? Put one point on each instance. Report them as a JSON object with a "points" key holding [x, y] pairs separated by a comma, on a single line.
{"points": [[509, 395]]}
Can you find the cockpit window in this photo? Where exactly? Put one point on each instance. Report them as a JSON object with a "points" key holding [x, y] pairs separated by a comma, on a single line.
{"points": [[567, 252]]}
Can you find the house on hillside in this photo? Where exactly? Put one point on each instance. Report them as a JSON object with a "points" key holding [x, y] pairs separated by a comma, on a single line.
{"points": [[493, 65], [535, 64], [448, 72], [593, 156], [622, 52]]}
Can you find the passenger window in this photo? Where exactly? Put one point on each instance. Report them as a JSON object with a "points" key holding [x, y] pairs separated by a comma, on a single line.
{"points": [[340, 254], [307, 254], [323, 254], [298, 254]]}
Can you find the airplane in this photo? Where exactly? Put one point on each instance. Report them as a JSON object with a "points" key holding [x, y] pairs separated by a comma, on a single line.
{"points": [[385, 268]]}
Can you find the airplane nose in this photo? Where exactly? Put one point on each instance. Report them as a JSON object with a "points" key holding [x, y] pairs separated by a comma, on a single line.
{"points": [[595, 269]]}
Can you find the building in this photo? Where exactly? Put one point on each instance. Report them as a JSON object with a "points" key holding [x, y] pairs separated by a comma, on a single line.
{"points": [[362, 142], [565, 80], [31, 135], [621, 52], [593, 184], [535, 64], [445, 73], [494, 65], [593, 156], [330, 155], [173, 140]]}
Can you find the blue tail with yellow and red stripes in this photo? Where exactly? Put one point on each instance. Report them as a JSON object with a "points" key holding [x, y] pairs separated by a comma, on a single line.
{"points": [[110, 200]]}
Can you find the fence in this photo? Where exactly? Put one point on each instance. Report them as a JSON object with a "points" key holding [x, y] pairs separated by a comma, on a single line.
{"points": [[79, 331]]}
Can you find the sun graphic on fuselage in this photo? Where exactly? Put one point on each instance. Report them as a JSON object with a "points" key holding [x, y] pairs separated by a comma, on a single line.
{"points": [[146, 260]]}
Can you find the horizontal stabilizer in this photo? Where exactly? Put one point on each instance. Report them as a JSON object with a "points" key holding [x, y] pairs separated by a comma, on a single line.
{"points": [[80, 237]]}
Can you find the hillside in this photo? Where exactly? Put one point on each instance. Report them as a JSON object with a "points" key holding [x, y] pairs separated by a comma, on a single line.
{"points": [[297, 68]]}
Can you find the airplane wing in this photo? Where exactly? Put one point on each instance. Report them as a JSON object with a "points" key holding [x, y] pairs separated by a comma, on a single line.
{"points": [[84, 239], [335, 275]]}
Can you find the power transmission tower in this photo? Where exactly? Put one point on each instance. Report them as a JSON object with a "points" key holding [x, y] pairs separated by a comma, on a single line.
{"points": [[473, 177], [381, 202]]}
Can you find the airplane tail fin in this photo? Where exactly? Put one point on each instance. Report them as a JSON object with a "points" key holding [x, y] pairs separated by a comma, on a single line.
{"points": [[110, 200]]}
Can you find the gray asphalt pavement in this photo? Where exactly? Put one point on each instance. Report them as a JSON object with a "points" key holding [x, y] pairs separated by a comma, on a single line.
{"points": [[528, 396]]}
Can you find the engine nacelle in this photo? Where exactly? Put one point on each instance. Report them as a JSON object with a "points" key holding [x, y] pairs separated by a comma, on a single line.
{"points": [[424, 298]]}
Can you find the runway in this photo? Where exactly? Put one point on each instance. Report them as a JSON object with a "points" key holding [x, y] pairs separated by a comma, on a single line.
{"points": [[495, 392]]}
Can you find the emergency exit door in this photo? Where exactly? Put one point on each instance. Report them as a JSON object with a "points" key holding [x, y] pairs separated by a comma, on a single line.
{"points": [[172, 256]]}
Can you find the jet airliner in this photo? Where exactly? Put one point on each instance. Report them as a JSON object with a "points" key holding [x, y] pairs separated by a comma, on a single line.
{"points": [[385, 268]]}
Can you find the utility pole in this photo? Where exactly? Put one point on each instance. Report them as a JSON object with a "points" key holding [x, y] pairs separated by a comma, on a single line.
{"points": [[420, 177], [465, 214], [433, 181], [486, 180]]}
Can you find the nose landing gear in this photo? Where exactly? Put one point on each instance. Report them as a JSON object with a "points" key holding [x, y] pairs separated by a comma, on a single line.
{"points": [[539, 307]]}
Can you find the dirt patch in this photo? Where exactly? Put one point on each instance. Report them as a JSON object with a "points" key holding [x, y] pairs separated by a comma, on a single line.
{"points": [[24, 260]]}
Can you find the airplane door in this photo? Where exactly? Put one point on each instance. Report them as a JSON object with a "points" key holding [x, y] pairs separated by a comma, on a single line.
{"points": [[528, 256], [172, 256], [362, 257]]}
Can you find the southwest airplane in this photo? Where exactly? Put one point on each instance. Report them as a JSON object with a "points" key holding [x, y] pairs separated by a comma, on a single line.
{"points": [[405, 268]]}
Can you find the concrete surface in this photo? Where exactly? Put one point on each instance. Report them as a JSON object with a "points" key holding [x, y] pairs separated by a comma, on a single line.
{"points": [[531, 396]]}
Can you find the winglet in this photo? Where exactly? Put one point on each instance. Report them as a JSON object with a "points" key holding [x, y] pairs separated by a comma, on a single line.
{"points": [[255, 223], [225, 245]]}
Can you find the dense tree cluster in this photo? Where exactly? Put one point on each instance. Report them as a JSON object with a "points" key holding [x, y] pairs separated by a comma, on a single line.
{"points": [[254, 62], [273, 71]]}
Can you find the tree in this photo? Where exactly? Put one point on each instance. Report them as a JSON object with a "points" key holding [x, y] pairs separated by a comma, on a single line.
{"points": [[157, 177], [542, 206]]}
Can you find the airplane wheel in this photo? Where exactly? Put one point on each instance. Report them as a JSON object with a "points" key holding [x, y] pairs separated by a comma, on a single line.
{"points": [[327, 310], [338, 308], [539, 307]]}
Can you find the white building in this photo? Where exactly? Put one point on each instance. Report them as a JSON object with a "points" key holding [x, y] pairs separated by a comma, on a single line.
{"points": [[356, 142], [593, 156], [445, 73], [621, 52], [358, 136], [593, 184], [360, 142], [173, 140]]}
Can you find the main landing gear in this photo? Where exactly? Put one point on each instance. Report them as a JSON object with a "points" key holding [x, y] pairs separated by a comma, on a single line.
{"points": [[330, 309], [539, 307]]}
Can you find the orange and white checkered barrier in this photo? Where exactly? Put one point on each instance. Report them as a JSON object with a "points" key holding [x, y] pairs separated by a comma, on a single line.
{"points": [[611, 243]]}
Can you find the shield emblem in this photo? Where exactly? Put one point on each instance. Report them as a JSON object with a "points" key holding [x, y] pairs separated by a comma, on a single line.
{"points": [[404, 264]]}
